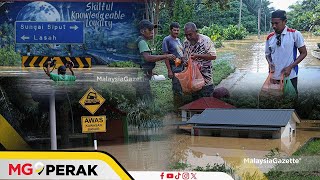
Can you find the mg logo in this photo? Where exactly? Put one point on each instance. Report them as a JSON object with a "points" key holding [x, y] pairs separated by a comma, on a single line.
{"points": [[24, 169]]}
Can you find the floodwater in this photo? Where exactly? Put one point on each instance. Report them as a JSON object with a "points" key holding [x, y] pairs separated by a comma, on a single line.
{"points": [[156, 149], [252, 68], [250, 56]]}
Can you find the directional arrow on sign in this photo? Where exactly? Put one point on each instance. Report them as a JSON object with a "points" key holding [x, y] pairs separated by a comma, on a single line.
{"points": [[72, 32], [75, 27], [25, 37]]}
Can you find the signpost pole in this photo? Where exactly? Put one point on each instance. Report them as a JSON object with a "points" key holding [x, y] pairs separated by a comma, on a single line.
{"points": [[95, 141], [53, 129]]}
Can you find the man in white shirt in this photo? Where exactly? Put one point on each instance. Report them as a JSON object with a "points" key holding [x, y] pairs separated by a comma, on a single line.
{"points": [[281, 49]]}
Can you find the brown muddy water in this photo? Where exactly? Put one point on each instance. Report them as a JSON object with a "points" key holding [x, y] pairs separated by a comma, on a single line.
{"points": [[157, 149], [250, 56]]}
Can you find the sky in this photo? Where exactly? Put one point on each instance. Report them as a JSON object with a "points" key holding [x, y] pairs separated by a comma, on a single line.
{"points": [[282, 4]]}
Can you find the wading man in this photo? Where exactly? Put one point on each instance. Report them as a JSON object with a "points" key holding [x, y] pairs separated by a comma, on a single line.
{"points": [[61, 76]]}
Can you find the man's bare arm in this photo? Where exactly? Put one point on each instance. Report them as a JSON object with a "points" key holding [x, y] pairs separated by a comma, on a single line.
{"points": [[48, 68], [154, 58], [170, 73], [207, 57]]}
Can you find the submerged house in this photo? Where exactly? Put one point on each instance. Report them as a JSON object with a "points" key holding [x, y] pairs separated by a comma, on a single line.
{"points": [[199, 105], [247, 123]]}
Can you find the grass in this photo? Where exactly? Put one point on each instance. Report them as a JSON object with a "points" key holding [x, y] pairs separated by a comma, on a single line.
{"points": [[311, 149], [307, 168], [221, 70], [124, 64], [162, 90]]}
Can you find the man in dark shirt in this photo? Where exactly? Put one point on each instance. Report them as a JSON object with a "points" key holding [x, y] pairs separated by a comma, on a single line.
{"points": [[172, 45]]}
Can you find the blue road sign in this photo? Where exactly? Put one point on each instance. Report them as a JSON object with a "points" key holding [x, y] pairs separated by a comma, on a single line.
{"points": [[33, 32]]}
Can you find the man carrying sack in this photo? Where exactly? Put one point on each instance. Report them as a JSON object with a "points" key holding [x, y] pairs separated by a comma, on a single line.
{"points": [[200, 49]]}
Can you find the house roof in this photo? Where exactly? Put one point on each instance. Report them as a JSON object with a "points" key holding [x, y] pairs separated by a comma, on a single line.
{"points": [[245, 117], [238, 128], [206, 102]]}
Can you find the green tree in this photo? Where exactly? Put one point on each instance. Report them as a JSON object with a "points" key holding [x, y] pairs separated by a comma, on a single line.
{"points": [[8, 56], [305, 15]]}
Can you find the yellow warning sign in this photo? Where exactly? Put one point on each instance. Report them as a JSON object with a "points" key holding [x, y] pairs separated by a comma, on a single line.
{"points": [[92, 101], [92, 124]]}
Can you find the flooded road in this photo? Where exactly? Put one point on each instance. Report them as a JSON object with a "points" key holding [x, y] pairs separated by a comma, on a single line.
{"points": [[249, 54], [252, 69], [157, 149]]}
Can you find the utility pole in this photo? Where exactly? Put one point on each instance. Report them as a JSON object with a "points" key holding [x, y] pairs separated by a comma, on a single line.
{"points": [[259, 19], [265, 22], [53, 125], [156, 18], [240, 15]]}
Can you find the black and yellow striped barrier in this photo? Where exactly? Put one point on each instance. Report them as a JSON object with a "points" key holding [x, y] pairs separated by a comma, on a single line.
{"points": [[10, 139], [39, 61]]}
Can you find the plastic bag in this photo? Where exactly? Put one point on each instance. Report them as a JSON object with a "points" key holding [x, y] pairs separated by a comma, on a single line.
{"points": [[191, 79], [289, 91], [270, 89]]}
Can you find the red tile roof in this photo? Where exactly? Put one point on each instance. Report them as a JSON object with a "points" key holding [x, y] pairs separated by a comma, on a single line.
{"points": [[206, 102]]}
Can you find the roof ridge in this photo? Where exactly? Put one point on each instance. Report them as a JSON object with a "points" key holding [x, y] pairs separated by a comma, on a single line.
{"points": [[205, 103], [235, 109]]}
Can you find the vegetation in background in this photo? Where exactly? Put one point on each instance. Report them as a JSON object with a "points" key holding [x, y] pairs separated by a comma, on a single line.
{"points": [[208, 12], [305, 16], [6, 34], [144, 115], [221, 16], [123, 64], [9, 57]]}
